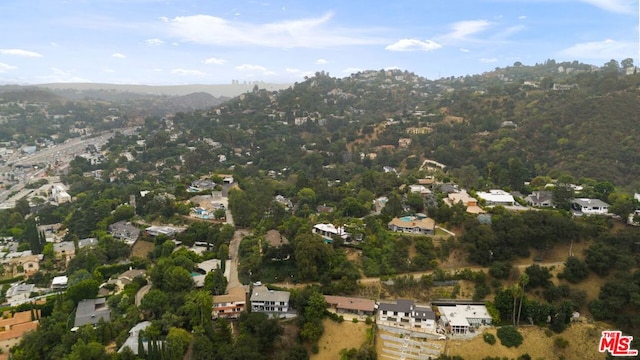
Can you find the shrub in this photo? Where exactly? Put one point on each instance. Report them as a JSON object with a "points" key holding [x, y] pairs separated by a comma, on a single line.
{"points": [[315, 349], [489, 338], [560, 342], [500, 270], [368, 320], [355, 320], [575, 270], [509, 336]]}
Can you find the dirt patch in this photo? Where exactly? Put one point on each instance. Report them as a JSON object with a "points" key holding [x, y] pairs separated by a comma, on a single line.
{"points": [[583, 344], [142, 249], [338, 336]]}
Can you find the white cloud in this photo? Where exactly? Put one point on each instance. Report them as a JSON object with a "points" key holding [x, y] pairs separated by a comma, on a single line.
{"points": [[250, 68], [505, 33], [603, 50], [187, 72], [214, 61], [119, 56], [464, 50], [522, 17], [6, 67], [321, 61], [20, 52], [164, 19], [154, 42], [413, 45], [463, 29], [108, 70], [292, 71], [488, 60], [616, 6], [63, 76], [300, 33]]}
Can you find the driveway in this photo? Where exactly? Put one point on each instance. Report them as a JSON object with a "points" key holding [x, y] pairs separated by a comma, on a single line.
{"points": [[234, 247]]}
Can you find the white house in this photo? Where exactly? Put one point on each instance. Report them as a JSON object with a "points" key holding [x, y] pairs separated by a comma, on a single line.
{"points": [[269, 301], [405, 314], [590, 206], [419, 189], [460, 318], [496, 197], [328, 231]]}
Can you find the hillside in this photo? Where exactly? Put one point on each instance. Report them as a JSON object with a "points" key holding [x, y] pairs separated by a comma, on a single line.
{"points": [[503, 131], [217, 90]]}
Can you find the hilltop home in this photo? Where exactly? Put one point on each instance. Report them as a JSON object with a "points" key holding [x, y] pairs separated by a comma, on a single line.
{"points": [[406, 314], [413, 225], [269, 301], [467, 200], [13, 328], [124, 231], [459, 319], [328, 231], [90, 311], [26, 264], [132, 341], [351, 305], [540, 199], [497, 197], [64, 250], [589, 207], [231, 305]]}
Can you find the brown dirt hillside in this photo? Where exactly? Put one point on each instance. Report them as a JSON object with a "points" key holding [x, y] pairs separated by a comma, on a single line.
{"points": [[583, 344], [338, 336]]}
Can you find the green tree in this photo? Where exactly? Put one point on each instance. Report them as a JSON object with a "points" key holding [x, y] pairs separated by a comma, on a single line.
{"points": [[562, 195], [178, 340], [215, 282], [600, 258], [156, 302], [575, 270], [509, 336], [85, 289], [539, 276], [312, 256], [87, 351]]}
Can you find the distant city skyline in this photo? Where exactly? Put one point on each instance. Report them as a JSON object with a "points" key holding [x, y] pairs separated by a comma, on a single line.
{"points": [[171, 42]]}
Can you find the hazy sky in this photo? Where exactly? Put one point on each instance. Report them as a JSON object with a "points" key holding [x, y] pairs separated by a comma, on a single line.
{"points": [[215, 41]]}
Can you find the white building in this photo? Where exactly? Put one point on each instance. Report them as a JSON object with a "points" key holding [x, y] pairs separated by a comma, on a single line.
{"points": [[328, 231], [460, 318], [496, 197], [269, 301], [590, 206], [405, 314]]}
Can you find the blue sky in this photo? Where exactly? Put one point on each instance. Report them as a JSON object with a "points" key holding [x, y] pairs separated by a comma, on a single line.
{"points": [[215, 41]]}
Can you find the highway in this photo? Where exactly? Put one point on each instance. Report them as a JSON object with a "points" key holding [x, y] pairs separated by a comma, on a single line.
{"points": [[25, 168]]}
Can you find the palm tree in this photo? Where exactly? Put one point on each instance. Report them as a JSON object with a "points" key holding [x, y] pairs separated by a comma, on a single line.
{"points": [[523, 281], [515, 292]]}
